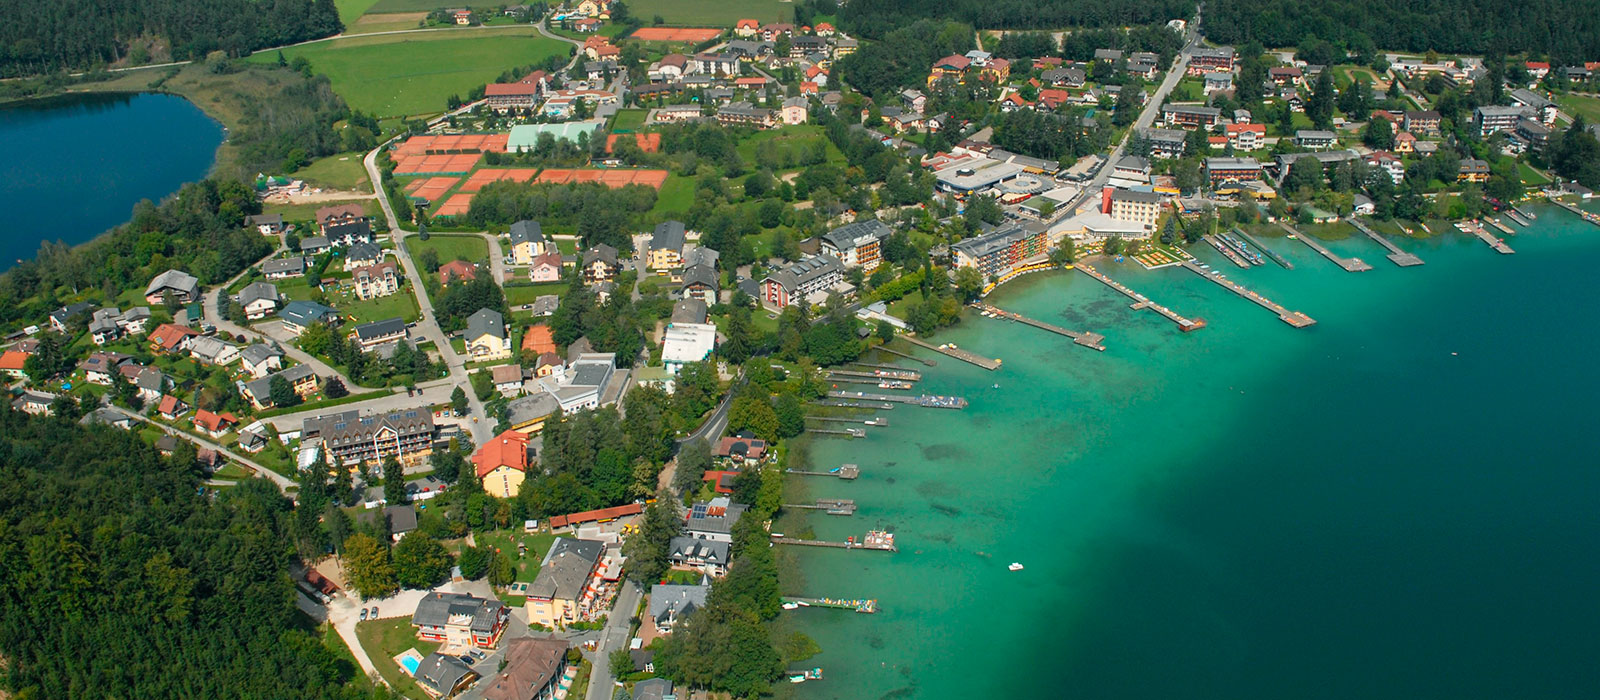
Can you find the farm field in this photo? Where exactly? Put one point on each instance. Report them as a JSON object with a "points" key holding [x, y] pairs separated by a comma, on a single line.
{"points": [[349, 10], [413, 74], [709, 13]]}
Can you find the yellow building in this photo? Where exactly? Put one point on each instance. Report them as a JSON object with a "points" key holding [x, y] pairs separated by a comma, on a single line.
{"points": [[666, 246], [486, 336], [527, 242], [502, 464]]}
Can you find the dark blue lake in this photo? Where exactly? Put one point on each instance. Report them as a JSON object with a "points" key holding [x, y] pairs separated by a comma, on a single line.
{"points": [[72, 167]]}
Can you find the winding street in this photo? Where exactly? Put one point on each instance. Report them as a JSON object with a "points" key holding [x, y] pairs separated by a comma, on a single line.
{"points": [[282, 481]]}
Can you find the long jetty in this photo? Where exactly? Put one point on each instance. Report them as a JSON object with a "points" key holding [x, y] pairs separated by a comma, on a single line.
{"points": [[856, 404], [1293, 318], [1239, 247], [832, 506], [860, 605], [1396, 255], [877, 422], [1185, 323], [925, 400], [1349, 264], [1513, 215], [1499, 225], [877, 541], [908, 356], [1227, 252], [1586, 216], [1086, 339], [1270, 252], [952, 351], [851, 432], [886, 371], [848, 472], [1498, 244]]}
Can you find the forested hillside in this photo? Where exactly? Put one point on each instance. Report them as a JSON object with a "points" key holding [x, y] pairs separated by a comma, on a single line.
{"points": [[39, 36], [118, 580], [1567, 30], [875, 18]]}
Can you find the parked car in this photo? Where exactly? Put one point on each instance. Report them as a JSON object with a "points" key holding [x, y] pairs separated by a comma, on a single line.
{"points": [[363, 613], [374, 612]]}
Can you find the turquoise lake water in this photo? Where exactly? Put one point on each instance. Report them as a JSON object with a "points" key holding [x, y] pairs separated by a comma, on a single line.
{"points": [[1402, 501], [73, 167]]}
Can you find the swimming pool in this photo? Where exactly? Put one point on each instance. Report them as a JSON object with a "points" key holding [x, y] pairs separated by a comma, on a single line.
{"points": [[411, 663]]}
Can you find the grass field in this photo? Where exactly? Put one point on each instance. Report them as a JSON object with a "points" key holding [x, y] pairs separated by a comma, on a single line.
{"points": [[383, 639], [349, 10], [629, 120], [404, 5], [517, 295], [414, 74], [341, 171], [708, 13], [789, 140], [305, 212], [470, 248], [1576, 105], [676, 195], [400, 304], [1529, 176], [370, 23]]}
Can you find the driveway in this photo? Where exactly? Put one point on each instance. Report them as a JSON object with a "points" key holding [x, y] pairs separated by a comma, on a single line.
{"points": [[613, 637]]}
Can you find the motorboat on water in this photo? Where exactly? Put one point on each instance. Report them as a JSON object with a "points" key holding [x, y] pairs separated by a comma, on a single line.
{"points": [[791, 606], [1015, 566]]}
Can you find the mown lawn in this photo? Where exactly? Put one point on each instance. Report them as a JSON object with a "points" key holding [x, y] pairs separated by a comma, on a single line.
{"points": [[470, 248], [790, 141], [400, 304], [383, 639], [629, 120], [710, 13], [306, 212], [1574, 105], [342, 171], [414, 74], [675, 197], [349, 10], [517, 295]]}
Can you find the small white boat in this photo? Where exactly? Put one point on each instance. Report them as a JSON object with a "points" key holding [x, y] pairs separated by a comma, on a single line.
{"points": [[997, 386], [791, 606], [1015, 566]]}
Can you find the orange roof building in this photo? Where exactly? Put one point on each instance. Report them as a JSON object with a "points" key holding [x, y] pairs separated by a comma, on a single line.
{"points": [[168, 337], [502, 464], [457, 270], [11, 363], [214, 424]]}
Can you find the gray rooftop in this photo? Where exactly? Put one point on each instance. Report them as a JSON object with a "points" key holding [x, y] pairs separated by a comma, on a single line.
{"points": [[668, 236], [526, 231], [676, 600], [439, 609], [486, 322], [566, 568], [305, 313], [176, 280], [380, 329], [258, 291], [716, 516], [689, 311], [853, 234]]}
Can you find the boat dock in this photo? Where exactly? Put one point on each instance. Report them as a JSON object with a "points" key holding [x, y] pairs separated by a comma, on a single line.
{"points": [[908, 356], [1349, 264], [880, 382], [870, 406], [958, 353], [1227, 252], [860, 605], [833, 506], [852, 432], [1499, 225], [886, 371], [1586, 216], [877, 422], [876, 540], [1396, 255], [1516, 216], [1239, 247], [925, 400], [848, 472], [1141, 302], [1293, 318], [1088, 340], [1499, 245], [1270, 252]]}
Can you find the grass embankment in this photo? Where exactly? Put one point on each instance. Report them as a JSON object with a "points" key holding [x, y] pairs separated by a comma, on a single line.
{"points": [[404, 75], [712, 13]]}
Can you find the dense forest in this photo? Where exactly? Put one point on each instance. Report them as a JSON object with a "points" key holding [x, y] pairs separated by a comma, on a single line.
{"points": [[601, 214], [41, 36], [118, 579], [876, 18], [1568, 31]]}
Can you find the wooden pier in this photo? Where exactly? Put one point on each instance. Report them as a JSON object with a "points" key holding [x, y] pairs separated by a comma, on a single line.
{"points": [[1349, 264], [1270, 252], [1516, 216], [860, 605], [1499, 225], [880, 382], [908, 356], [876, 541], [1238, 246], [1396, 255], [1227, 252], [851, 432], [1293, 318], [1494, 242], [848, 472], [832, 506], [1586, 216], [1141, 302], [866, 406], [1086, 339], [881, 372], [875, 422], [924, 400], [952, 351]]}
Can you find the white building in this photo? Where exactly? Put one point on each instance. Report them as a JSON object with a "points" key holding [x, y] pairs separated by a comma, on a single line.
{"points": [[684, 343]]}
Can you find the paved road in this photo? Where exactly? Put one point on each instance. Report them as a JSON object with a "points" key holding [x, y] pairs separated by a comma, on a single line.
{"points": [[428, 325], [277, 336], [282, 481], [613, 637], [428, 394]]}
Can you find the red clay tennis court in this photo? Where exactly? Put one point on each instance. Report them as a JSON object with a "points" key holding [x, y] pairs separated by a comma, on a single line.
{"points": [[648, 143], [448, 143], [488, 175], [684, 34], [457, 205], [431, 189], [609, 178], [458, 164]]}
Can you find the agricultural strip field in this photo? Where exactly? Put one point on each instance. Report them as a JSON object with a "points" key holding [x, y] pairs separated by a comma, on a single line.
{"points": [[414, 74], [708, 13]]}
